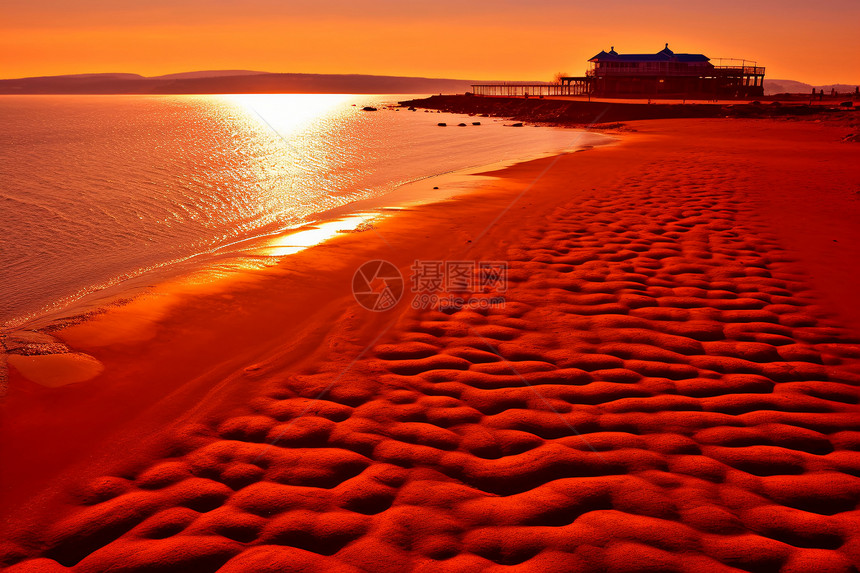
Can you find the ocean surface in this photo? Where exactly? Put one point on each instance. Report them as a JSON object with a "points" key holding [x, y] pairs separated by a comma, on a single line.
{"points": [[96, 190]]}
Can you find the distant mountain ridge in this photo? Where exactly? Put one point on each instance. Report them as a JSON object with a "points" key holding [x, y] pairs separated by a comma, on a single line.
{"points": [[250, 81], [207, 74], [103, 75], [774, 87], [230, 81]]}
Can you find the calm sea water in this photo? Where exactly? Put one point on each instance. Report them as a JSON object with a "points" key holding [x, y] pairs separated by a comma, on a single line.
{"points": [[96, 189]]}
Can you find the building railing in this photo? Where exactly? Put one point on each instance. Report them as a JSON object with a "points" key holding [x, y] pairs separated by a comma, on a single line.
{"points": [[689, 72], [602, 72], [748, 70]]}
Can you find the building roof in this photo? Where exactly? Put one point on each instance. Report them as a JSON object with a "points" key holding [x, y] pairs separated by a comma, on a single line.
{"points": [[664, 55]]}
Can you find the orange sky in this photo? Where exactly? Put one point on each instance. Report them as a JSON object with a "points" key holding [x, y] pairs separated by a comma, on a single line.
{"points": [[811, 41]]}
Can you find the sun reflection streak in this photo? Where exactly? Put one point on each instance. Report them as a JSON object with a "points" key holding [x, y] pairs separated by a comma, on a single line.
{"points": [[288, 114], [293, 164], [306, 237]]}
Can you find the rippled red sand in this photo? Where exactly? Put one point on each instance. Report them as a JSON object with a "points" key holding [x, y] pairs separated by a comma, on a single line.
{"points": [[671, 386]]}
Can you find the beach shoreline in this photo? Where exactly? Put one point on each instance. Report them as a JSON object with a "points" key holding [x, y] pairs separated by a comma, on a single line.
{"points": [[200, 374], [279, 196], [28, 339]]}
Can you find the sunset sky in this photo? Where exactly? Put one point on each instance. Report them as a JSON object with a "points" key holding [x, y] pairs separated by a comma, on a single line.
{"points": [[811, 41]]}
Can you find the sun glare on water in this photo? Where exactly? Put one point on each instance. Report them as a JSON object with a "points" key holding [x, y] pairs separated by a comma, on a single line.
{"points": [[288, 114]]}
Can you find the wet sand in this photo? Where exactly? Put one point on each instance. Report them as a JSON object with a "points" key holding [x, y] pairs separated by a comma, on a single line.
{"points": [[672, 385]]}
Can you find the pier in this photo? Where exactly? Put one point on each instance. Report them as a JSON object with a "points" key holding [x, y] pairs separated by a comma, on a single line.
{"points": [[572, 86]]}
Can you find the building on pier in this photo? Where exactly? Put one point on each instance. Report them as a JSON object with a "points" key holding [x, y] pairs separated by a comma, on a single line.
{"points": [[661, 75]]}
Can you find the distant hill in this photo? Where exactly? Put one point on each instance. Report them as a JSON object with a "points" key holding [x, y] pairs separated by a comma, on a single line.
{"points": [[103, 76], [207, 74], [230, 81], [249, 81], [773, 87]]}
